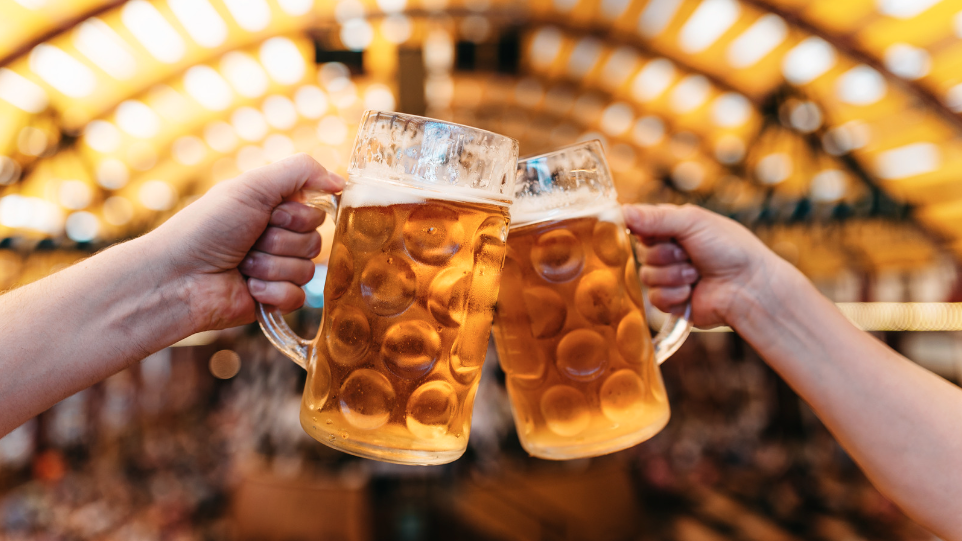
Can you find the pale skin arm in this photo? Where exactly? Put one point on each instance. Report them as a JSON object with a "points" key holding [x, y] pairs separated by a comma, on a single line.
{"points": [[247, 239], [901, 423]]}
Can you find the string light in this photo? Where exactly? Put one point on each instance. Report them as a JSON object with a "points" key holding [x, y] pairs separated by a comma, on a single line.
{"points": [[21, 92], [157, 195], [112, 174], [245, 74]]}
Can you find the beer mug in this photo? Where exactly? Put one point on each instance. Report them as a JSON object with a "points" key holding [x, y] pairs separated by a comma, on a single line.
{"points": [[412, 281], [570, 330]]}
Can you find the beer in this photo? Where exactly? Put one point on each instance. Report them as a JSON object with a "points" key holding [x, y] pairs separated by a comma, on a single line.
{"points": [[410, 293], [572, 338]]}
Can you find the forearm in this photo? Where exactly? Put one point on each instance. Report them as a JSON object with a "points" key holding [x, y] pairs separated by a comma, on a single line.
{"points": [[901, 423], [72, 329]]}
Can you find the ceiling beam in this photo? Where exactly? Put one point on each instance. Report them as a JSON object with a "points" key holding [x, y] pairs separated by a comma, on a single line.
{"points": [[612, 38], [54, 31], [848, 46]]}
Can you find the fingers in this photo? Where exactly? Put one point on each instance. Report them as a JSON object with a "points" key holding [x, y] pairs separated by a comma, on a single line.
{"points": [[668, 299], [282, 179], [680, 274], [665, 253], [272, 268], [277, 241], [284, 296], [662, 221], [297, 217]]}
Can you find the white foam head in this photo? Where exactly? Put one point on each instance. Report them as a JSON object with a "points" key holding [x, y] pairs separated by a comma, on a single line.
{"points": [[367, 190], [563, 205]]}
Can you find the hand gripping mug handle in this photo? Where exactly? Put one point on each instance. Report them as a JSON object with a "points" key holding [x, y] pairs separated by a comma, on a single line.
{"points": [[278, 332], [672, 334]]}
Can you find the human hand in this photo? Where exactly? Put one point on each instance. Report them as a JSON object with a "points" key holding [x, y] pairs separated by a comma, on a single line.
{"points": [[694, 253], [248, 239]]}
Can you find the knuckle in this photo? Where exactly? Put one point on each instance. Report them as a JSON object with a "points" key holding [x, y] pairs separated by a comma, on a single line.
{"points": [[315, 245], [305, 272], [265, 266], [272, 239]]}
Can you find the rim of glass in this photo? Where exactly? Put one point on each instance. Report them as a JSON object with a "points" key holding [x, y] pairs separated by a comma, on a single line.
{"points": [[369, 112], [443, 195], [561, 150]]}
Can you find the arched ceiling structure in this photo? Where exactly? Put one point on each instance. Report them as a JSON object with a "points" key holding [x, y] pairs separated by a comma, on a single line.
{"points": [[831, 127]]}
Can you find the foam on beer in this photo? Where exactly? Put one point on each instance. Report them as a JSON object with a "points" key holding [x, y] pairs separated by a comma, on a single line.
{"points": [[557, 206], [379, 186]]}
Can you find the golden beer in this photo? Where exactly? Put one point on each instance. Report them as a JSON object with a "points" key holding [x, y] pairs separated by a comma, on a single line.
{"points": [[576, 349], [582, 368], [412, 280], [409, 299]]}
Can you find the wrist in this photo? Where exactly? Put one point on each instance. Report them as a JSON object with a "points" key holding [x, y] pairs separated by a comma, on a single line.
{"points": [[773, 286], [165, 291]]}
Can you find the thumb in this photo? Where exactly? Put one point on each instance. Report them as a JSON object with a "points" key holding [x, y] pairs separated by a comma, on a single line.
{"points": [[660, 221], [280, 180]]}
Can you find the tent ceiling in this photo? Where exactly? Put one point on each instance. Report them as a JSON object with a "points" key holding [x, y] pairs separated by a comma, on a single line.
{"points": [[756, 108]]}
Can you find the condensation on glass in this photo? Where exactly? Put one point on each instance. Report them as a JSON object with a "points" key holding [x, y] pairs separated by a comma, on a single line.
{"points": [[412, 281], [582, 370]]}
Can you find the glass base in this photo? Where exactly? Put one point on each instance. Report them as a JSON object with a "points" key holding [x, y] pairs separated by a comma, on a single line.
{"points": [[382, 453], [596, 448]]}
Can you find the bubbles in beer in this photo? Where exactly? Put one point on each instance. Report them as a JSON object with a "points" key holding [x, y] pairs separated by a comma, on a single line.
{"points": [[370, 227], [547, 311], [523, 419], [467, 356], [558, 256], [489, 250], [632, 337], [598, 297], [340, 272], [319, 382], [565, 410], [582, 355], [609, 243], [469, 352], [430, 409], [432, 234], [622, 396], [577, 352], [411, 348], [633, 283], [349, 336], [388, 284], [366, 399], [447, 296], [414, 281]]}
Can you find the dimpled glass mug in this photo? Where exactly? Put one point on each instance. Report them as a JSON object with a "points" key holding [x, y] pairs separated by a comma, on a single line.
{"points": [[411, 285], [582, 371]]}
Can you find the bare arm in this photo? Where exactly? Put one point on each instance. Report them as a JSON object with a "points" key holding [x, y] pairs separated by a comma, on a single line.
{"points": [[901, 423], [245, 240], [70, 330]]}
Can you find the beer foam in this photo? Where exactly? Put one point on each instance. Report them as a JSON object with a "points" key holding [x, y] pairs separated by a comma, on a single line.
{"points": [[574, 204], [370, 190]]}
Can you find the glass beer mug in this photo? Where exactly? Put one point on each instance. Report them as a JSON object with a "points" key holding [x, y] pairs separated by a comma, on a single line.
{"points": [[411, 285], [570, 330]]}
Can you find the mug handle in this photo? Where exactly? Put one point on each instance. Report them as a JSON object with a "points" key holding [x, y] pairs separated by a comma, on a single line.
{"points": [[672, 334], [278, 332]]}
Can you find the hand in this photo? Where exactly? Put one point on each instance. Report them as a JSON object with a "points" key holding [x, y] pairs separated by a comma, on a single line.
{"points": [[249, 227], [692, 252]]}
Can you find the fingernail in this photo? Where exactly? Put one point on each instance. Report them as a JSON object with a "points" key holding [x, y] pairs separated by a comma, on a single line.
{"points": [[338, 179], [247, 262], [282, 218], [689, 273], [678, 253], [256, 286]]}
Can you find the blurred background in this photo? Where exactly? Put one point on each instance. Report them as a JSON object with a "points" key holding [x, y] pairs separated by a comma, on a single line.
{"points": [[830, 128]]}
